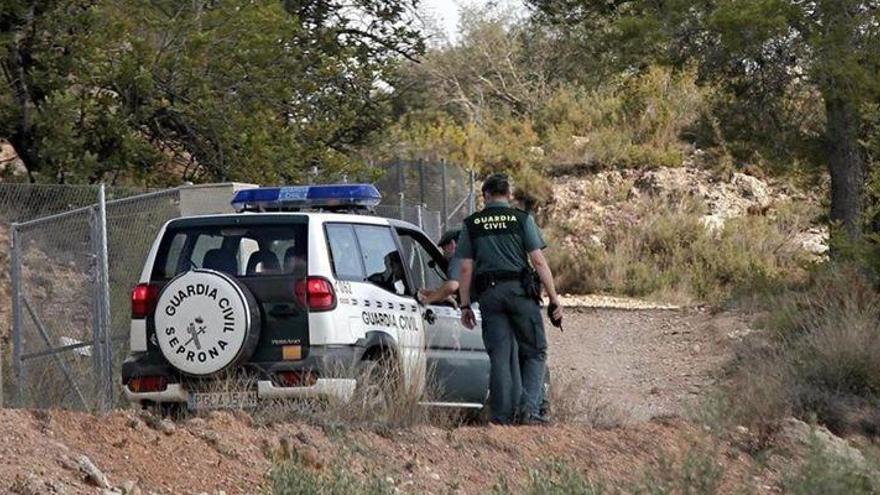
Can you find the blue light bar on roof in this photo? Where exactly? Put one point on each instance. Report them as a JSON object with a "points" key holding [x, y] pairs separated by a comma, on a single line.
{"points": [[329, 196]]}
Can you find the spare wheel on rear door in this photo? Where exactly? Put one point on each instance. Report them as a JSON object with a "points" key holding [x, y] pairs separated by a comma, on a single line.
{"points": [[206, 322]]}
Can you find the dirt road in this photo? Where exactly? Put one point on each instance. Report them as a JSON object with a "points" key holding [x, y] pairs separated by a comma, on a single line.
{"points": [[645, 363]]}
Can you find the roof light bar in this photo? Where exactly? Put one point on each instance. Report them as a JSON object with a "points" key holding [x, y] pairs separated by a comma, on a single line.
{"points": [[326, 196]]}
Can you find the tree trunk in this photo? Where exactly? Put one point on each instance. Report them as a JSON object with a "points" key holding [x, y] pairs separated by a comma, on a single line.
{"points": [[22, 138], [846, 164]]}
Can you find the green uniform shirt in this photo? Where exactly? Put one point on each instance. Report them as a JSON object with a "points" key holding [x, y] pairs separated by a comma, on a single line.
{"points": [[498, 238]]}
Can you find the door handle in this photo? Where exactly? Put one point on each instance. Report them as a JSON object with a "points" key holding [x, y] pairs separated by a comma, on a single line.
{"points": [[430, 316]]}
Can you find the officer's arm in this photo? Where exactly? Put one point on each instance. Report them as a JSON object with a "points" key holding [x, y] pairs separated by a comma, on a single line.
{"points": [[539, 262], [464, 287], [442, 293]]}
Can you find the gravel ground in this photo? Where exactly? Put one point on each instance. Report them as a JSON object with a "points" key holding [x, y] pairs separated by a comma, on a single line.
{"points": [[644, 363]]}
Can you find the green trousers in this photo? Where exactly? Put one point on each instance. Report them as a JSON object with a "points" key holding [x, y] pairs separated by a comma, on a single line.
{"points": [[513, 333]]}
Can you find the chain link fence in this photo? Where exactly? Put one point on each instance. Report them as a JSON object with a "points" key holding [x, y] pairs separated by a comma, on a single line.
{"points": [[412, 188], [68, 270], [70, 278], [57, 245]]}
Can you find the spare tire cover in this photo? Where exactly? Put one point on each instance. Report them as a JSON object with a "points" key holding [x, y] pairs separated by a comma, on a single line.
{"points": [[206, 322]]}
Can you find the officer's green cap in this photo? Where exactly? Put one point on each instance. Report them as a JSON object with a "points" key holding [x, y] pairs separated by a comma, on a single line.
{"points": [[496, 182], [448, 236]]}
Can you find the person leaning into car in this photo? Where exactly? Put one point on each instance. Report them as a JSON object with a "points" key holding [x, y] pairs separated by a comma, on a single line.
{"points": [[497, 247], [446, 291]]}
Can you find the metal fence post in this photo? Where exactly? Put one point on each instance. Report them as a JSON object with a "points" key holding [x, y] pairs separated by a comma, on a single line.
{"points": [[103, 280], [419, 216], [472, 199], [401, 190], [97, 348], [422, 182], [17, 327], [445, 201]]}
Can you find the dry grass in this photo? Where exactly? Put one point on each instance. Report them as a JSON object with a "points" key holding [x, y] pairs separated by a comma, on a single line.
{"points": [[669, 254], [816, 358], [698, 473], [381, 402], [570, 403]]}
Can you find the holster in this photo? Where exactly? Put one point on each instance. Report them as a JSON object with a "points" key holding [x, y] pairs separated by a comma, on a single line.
{"points": [[531, 283]]}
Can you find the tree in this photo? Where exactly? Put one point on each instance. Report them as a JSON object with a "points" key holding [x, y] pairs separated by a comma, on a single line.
{"points": [[162, 91], [761, 51]]}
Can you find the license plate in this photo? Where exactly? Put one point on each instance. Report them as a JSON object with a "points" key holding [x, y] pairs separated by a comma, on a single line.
{"points": [[222, 400]]}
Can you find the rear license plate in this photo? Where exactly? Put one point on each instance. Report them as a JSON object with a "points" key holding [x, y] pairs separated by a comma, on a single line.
{"points": [[222, 400]]}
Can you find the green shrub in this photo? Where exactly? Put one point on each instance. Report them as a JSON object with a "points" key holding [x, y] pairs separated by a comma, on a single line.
{"points": [[291, 478], [817, 358], [670, 254], [698, 473], [560, 479], [830, 474]]}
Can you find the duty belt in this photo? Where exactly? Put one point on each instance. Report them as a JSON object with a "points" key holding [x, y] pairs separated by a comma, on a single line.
{"points": [[483, 281]]}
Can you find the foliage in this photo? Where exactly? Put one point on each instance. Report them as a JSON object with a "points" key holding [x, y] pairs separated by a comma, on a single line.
{"points": [[642, 120], [774, 58], [670, 254], [697, 473], [817, 358], [291, 478], [833, 474], [160, 91]]}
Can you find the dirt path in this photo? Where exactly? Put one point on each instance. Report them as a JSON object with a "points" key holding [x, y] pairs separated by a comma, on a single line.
{"points": [[644, 363]]}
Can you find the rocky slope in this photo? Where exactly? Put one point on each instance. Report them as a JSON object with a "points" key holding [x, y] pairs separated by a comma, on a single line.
{"points": [[588, 205], [62, 452]]}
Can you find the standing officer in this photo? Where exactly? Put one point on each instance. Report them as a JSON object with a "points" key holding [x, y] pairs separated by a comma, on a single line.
{"points": [[498, 245]]}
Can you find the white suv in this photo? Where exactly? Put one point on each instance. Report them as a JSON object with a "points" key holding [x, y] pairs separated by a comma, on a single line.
{"points": [[299, 290]]}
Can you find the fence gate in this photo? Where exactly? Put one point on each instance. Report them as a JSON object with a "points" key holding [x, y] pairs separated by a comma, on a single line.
{"points": [[67, 271]]}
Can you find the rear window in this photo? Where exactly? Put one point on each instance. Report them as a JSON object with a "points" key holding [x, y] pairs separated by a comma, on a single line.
{"points": [[241, 250]]}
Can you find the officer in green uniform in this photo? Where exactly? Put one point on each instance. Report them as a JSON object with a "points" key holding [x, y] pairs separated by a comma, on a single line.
{"points": [[497, 246]]}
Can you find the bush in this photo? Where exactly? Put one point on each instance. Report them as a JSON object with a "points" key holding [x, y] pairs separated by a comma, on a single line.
{"points": [[698, 473], [830, 474], [817, 358], [670, 254], [630, 121], [291, 478]]}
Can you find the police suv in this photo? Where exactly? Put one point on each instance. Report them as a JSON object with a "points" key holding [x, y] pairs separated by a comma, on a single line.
{"points": [[299, 291]]}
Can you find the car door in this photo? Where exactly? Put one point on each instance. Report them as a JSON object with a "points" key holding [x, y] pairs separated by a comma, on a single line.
{"points": [[457, 363], [386, 299]]}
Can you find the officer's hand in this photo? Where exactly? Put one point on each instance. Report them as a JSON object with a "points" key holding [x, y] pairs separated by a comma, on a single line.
{"points": [[554, 312], [422, 296], [468, 319]]}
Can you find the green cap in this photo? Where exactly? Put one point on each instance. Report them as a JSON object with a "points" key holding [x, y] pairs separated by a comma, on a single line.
{"points": [[496, 182], [448, 236]]}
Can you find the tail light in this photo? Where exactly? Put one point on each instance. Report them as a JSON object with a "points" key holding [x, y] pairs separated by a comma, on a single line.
{"points": [[143, 300], [143, 384], [316, 293], [295, 378]]}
